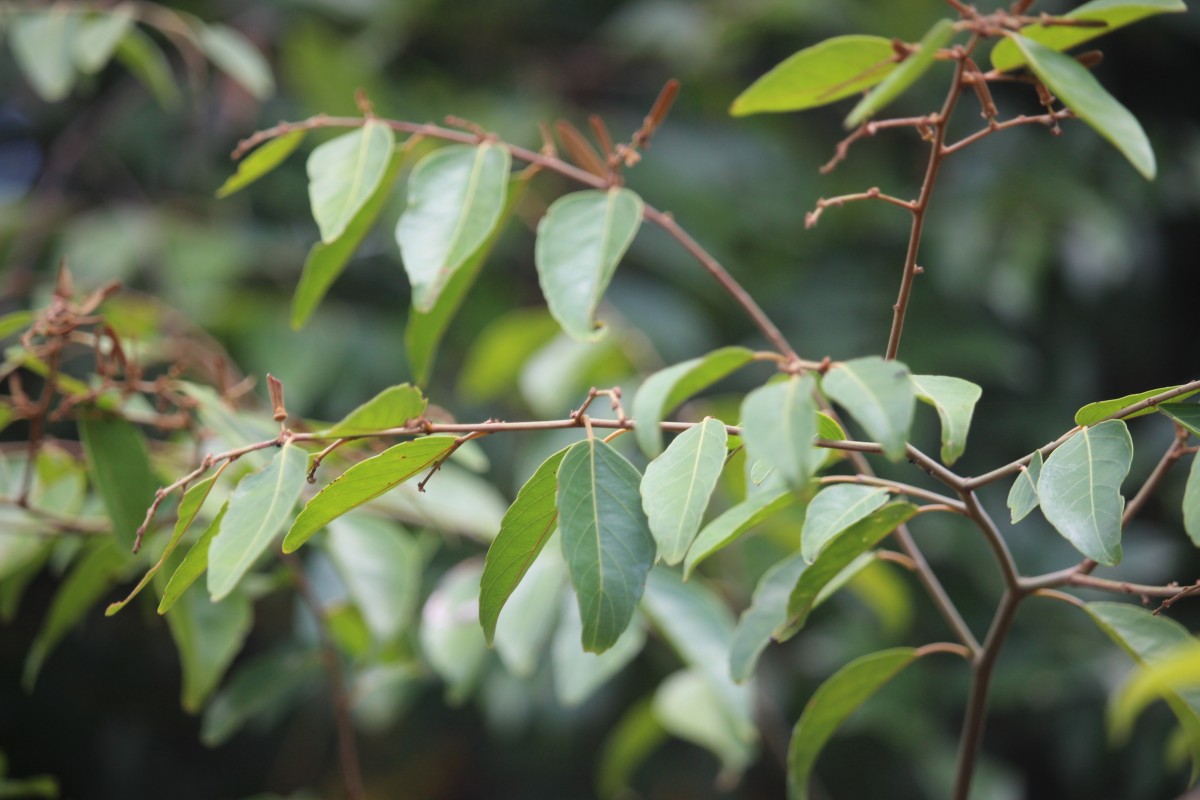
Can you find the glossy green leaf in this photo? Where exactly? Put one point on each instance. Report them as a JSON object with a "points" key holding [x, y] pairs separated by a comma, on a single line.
{"points": [[1079, 91], [606, 540], [833, 702], [879, 395], [1186, 414], [580, 241], [380, 564], [779, 423], [1080, 489], [955, 401], [835, 508], [456, 196], [344, 173], [522, 634], [904, 76], [678, 485], [524, 531], [1023, 496], [631, 741], [208, 636], [41, 44], [257, 688], [1116, 13], [450, 638], [146, 61], [98, 36], [577, 673], [842, 549], [327, 260], [495, 360], [1191, 502], [259, 507], [733, 523], [821, 74], [1102, 410], [365, 481], [233, 54], [193, 565], [663, 391], [391, 408], [689, 708], [260, 162], [119, 467]]}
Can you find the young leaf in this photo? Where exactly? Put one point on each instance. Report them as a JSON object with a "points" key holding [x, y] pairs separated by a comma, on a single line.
{"points": [[380, 564], [834, 509], [817, 75], [455, 198], [1098, 412], [260, 162], [767, 611], [879, 395], [258, 509], [678, 485], [733, 523], [779, 423], [837, 555], [1176, 676], [365, 481], [1080, 489], [98, 37], [119, 467], [326, 260], [257, 688], [904, 76], [1113, 13], [450, 639], [41, 44], [577, 673], [1186, 414], [526, 527], [606, 539], [193, 565], [833, 702], [1079, 91], [689, 708], [580, 241], [1191, 503], [1023, 496], [233, 54], [146, 61], [207, 635], [344, 172], [955, 401], [391, 408]]}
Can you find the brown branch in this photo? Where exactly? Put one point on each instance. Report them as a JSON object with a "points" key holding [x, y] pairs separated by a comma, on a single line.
{"points": [[1049, 120], [895, 487], [842, 149], [814, 216]]}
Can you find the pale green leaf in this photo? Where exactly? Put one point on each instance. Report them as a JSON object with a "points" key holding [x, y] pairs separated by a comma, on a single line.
{"points": [[631, 741], [1023, 496], [256, 689], [821, 74], [494, 362], [1102, 410], [606, 540], [450, 637], [380, 563], [208, 636], [1080, 489], [456, 196], [259, 507], [344, 173], [834, 509], [732, 524], [577, 673], [1191, 502], [260, 162], [955, 401], [1186, 414], [524, 531], [142, 56], [41, 44], [193, 565], [833, 702], [779, 423], [1079, 91], [904, 76], [580, 241], [689, 708], [533, 608], [678, 485], [119, 467], [879, 395], [98, 36], [233, 54], [365, 481], [391, 408], [663, 391]]}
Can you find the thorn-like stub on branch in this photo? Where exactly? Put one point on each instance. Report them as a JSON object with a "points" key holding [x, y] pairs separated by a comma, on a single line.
{"points": [[363, 102], [275, 389], [65, 286]]}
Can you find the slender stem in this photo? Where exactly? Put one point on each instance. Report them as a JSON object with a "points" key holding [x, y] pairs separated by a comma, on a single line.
{"points": [[1168, 460], [897, 487], [1008, 567], [1049, 120]]}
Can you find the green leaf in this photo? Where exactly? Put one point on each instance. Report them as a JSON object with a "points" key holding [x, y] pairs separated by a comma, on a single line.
{"points": [[380, 563], [119, 467], [1079, 91], [450, 639], [391, 408], [41, 45], [767, 611], [98, 37], [732, 524], [1023, 496], [842, 549], [955, 401], [193, 565], [879, 395], [580, 241], [829, 430], [834, 509], [344, 173], [821, 74], [365, 481], [689, 708], [456, 196], [1102, 410], [1191, 503], [577, 673], [904, 76], [147, 62], [533, 609], [678, 485], [1116, 13], [779, 423], [424, 329], [494, 362], [208, 636], [260, 162], [233, 54], [524, 531], [1186, 414], [258, 509], [257, 688], [606, 540], [663, 391], [1080, 489], [833, 702], [632, 740], [91, 576], [15, 322], [1173, 678], [327, 260]]}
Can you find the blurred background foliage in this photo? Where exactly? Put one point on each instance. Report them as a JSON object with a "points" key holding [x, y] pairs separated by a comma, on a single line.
{"points": [[1054, 276]]}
